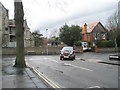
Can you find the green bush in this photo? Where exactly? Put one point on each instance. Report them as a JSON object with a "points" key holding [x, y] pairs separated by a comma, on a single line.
{"points": [[78, 44], [105, 43]]}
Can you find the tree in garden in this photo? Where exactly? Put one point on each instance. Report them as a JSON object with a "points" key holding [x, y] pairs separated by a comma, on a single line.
{"points": [[112, 21], [18, 16], [114, 31], [70, 34], [118, 38], [38, 38], [118, 42]]}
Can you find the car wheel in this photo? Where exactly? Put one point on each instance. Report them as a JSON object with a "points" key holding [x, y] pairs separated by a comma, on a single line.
{"points": [[61, 58], [74, 58]]}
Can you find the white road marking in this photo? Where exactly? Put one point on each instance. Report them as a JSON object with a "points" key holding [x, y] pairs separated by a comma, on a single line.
{"points": [[78, 67], [74, 66], [55, 61], [95, 87]]}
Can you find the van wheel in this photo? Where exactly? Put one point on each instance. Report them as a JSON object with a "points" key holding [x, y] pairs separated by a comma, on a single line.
{"points": [[72, 59]]}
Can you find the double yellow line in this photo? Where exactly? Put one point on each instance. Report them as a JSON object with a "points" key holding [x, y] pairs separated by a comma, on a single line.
{"points": [[48, 81]]}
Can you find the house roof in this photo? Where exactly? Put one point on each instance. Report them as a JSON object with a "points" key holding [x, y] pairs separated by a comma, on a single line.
{"points": [[90, 27]]}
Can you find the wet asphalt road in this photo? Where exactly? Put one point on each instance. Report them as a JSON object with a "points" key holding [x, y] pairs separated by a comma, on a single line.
{"points": [[77, 73]]}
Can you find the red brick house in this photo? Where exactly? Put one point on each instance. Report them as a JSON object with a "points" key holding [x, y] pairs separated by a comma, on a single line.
{"points": [[93, 32]]}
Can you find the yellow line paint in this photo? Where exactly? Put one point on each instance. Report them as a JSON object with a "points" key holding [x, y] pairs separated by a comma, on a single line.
{"points": [[52, 84]]}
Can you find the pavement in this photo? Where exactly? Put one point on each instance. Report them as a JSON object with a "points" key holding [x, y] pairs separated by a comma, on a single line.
{"points": [[13, 77]]}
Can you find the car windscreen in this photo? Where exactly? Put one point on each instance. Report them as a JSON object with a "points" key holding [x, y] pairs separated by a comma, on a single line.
{"points": [[67, 49]]}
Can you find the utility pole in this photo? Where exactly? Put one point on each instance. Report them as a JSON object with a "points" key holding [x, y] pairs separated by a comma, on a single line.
{"points": [[19, 20], [47, 40]]}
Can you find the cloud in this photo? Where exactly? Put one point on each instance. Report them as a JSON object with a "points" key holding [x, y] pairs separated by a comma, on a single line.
{"points": [[86, 12], [50, 14]]}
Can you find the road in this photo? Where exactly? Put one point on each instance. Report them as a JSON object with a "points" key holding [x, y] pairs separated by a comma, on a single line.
{"points": [[77, 73]]}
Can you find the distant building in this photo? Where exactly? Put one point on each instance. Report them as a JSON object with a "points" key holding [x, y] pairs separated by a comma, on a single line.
{"points": [[93, 32], [7, 31], [4, 33], [12, 37], [45, 41], [28, 37]]}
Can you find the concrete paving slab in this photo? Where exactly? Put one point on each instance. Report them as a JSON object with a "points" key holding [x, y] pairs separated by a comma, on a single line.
{"points": [[0, 68], [13, 77], [24, 85], [8, 81], [0, 78]]}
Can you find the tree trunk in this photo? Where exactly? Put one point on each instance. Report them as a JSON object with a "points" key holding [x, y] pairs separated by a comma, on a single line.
{"points": [[19, 20], [116, 48]]}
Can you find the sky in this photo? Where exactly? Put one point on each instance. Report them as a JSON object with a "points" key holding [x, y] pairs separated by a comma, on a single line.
{"points": [[53, 14]]}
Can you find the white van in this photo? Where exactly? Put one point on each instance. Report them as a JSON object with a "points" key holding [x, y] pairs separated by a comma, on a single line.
{"points": [[85, 46]]}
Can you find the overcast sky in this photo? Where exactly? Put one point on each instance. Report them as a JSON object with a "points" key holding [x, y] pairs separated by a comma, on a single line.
{"points": [[52, 14]]}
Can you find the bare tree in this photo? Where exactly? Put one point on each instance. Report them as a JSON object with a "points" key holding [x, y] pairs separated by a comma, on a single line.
{"points": [[112, 25], [112, 21], [119, 14], [19, 20]]}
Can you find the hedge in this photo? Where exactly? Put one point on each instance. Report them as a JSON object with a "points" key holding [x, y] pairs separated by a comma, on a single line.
{"points": [[105, 43]]}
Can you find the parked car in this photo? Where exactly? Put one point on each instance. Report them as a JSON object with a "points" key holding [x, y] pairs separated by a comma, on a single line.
{"points": [[114, 57], [85, 46], [67, 53]]}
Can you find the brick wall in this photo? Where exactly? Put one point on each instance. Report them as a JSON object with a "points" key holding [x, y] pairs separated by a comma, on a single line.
{"points": [[51, 50], [35, 50]]}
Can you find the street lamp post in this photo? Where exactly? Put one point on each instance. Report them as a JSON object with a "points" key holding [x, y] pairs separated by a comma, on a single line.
{"points": [[47, 41]]}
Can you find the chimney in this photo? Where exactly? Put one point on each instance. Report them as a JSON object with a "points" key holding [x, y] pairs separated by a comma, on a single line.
{"points": [[85, 26]]}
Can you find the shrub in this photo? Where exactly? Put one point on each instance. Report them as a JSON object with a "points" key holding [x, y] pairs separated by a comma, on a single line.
{"points": [[105, 43], [78, 44]]}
